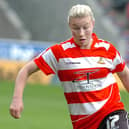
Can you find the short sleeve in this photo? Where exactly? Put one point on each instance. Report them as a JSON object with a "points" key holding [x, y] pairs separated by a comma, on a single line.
{"points": [[118, 63], [46, 61]]}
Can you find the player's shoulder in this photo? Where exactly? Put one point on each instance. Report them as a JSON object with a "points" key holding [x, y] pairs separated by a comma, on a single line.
{"points": [[108, 46], [68, 44], [62, 46]]}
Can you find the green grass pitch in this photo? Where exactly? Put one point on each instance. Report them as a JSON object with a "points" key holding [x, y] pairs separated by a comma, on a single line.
{"points": [[44, 107]]}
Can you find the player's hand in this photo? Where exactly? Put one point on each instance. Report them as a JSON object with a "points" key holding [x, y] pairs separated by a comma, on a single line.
{"points": [[16, 108]]}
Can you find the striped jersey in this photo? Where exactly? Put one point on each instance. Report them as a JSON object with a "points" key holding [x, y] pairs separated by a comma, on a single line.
{"points": [[87, 79]]}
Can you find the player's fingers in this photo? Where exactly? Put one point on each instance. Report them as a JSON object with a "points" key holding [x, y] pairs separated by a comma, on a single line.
{"points": [[16, 108], [15, 113]]}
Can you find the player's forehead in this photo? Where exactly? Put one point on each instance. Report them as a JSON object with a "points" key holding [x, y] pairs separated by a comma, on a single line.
{"points": [[78, 21]]}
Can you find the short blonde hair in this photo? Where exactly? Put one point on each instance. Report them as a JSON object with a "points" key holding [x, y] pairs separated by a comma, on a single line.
{"points": [[80, 11]]}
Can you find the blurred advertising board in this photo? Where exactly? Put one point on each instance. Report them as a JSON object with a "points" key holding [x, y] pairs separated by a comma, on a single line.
{"points": [[21, 50], [15, 53]]}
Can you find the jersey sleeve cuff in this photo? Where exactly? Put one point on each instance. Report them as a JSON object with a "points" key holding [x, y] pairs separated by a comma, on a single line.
{"points": [[43, 66]]}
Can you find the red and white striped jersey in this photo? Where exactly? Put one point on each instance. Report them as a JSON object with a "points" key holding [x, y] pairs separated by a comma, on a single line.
{"points": [[87, 78]]}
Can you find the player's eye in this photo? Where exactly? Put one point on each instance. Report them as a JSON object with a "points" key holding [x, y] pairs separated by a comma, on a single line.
{"points": [[76, 28], [86, 27]]}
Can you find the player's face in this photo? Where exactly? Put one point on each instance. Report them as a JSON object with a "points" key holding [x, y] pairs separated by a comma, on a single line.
{"points": [[82, 29]]}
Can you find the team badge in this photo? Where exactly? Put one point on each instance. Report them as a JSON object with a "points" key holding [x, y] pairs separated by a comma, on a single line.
{"points": [[101, 60]]}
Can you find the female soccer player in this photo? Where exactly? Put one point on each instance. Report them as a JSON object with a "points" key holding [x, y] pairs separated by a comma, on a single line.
{"points": [[85, 66]]}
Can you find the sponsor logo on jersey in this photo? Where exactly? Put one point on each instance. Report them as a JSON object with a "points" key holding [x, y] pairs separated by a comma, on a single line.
{"points": [[86, 84], [91, 85], [72, 63]]}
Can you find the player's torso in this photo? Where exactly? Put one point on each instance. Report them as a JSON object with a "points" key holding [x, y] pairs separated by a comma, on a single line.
{"points": [[86, 78], [85, 69]]}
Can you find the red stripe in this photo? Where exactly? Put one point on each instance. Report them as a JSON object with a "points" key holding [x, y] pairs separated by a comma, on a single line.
{"points": [[93, 121], [113, 104], [119, 68], [70, 75], [86, 97], [40, 62], [76, 52]]}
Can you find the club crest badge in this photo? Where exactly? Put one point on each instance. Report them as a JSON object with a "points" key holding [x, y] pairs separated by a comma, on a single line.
{"points": [[101, 60]]}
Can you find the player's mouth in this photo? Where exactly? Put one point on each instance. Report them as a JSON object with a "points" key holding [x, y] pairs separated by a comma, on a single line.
{"points": [[82, 40]]}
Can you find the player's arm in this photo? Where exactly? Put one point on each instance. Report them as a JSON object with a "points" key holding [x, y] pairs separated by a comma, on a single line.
{"points": [[16, 106], [124, 77]]}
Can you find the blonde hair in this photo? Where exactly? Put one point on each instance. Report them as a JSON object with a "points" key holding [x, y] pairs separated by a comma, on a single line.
{"points": [[80, 11]]}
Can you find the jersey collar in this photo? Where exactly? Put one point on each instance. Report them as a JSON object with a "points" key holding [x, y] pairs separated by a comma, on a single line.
{"points": [[94, 37]]}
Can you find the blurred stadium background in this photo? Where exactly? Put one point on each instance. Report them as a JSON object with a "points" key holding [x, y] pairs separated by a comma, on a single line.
{"points": [[29, 26]]}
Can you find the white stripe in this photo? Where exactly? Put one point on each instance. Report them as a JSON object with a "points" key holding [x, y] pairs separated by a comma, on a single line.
{"points": [[117, 60], [86, 108], [50, 59], [68, 45], [97, 84], [87, 62], [102, 44]]}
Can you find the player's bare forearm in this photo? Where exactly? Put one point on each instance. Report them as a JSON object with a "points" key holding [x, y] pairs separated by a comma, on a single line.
{"points": [[124, 77], [20, 83], [22, 77], [16, 106]]}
